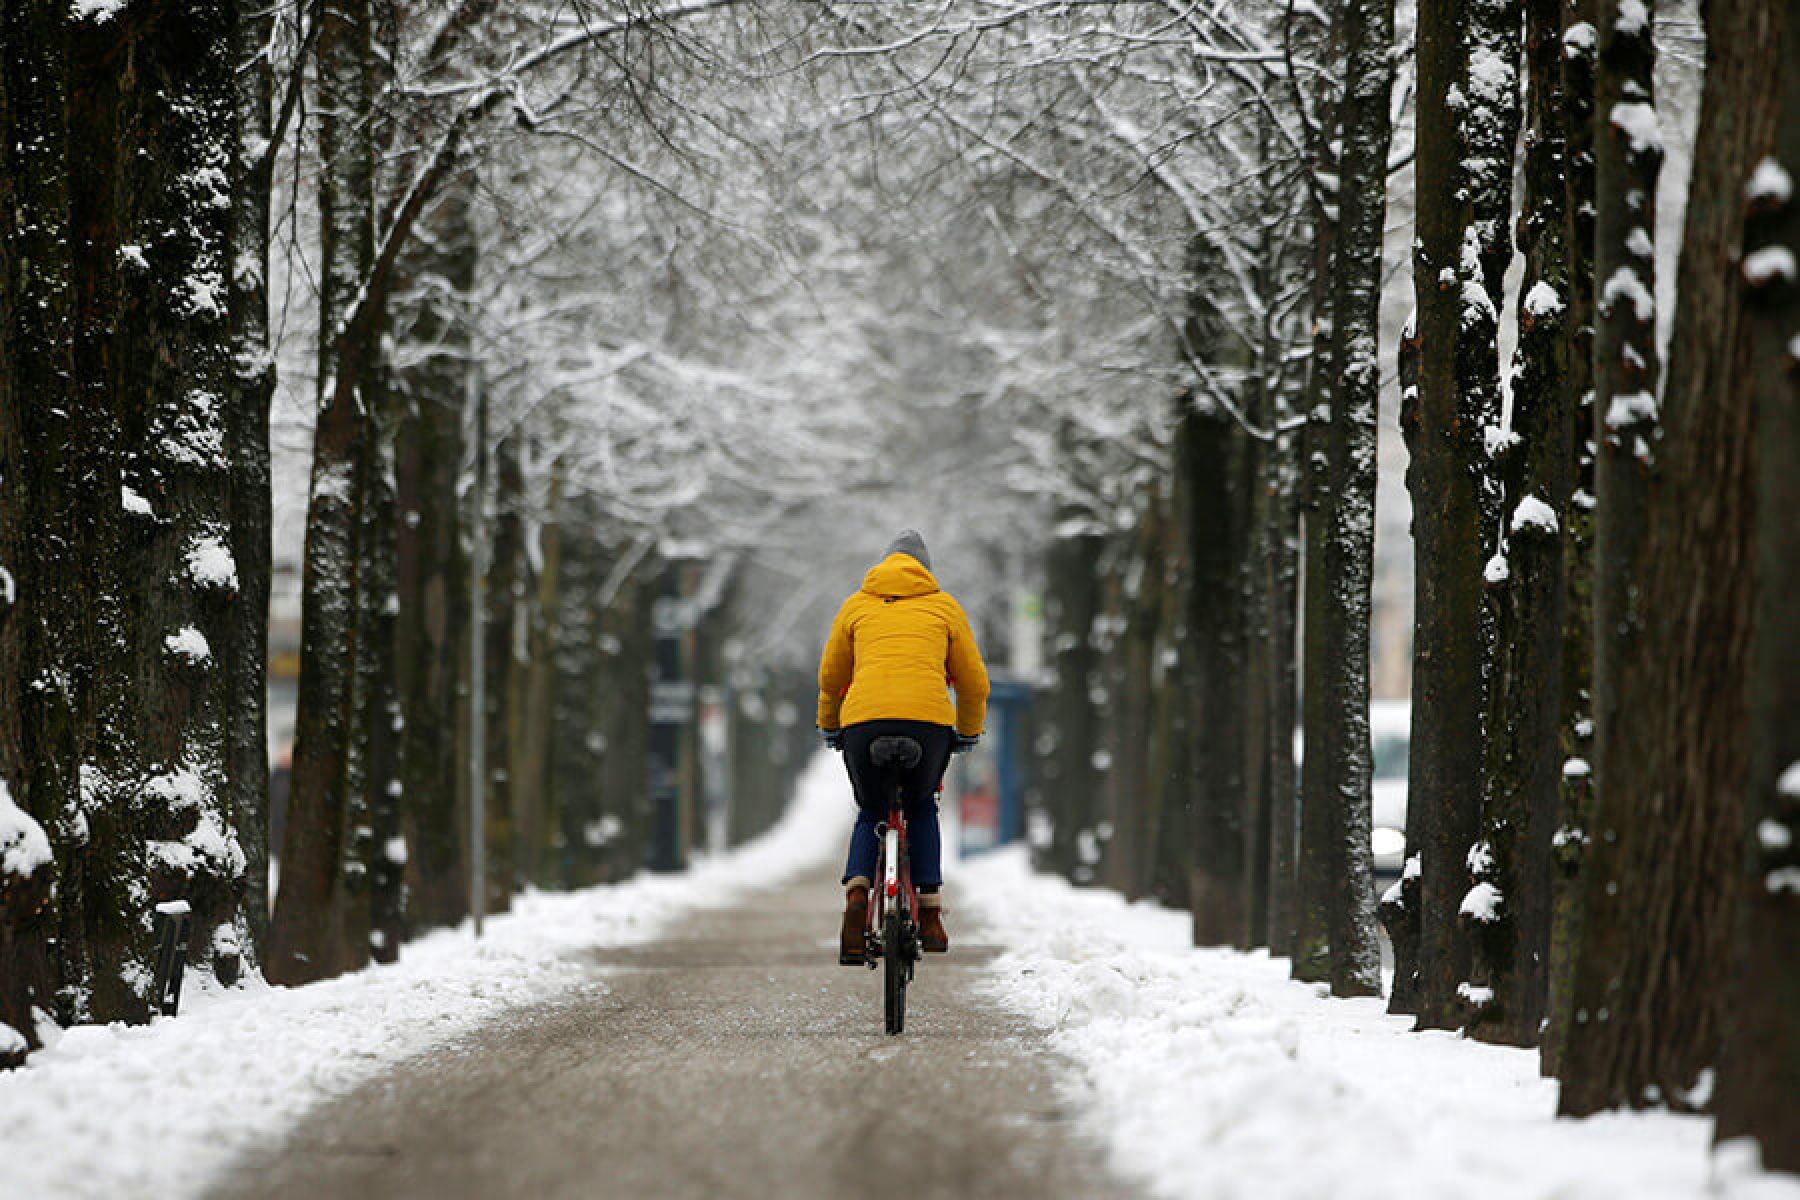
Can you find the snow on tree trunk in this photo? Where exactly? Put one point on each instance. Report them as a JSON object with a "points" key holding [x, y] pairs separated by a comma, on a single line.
{"points": [[1457, 402], [1759, 1068], [39, 582], [184, 583], [381, 850], [1661, 883], [319, 925], [1348, 566], [1522, 782], [1580, 38], [246, 651]]}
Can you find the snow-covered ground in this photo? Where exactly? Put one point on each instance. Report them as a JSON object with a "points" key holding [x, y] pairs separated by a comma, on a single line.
{"points": [[157, 1110], [1210, 1074]]}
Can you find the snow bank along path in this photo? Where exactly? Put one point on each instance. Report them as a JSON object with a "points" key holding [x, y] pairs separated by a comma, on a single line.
{"points": [[1211, 1075], [159, 1109]]}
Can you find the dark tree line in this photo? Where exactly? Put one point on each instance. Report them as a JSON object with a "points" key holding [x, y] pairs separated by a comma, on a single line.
{"points": [[1599, 857], [139, 188]]}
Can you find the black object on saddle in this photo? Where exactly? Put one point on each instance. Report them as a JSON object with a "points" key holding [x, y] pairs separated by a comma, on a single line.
{"points": [[900, 752]]}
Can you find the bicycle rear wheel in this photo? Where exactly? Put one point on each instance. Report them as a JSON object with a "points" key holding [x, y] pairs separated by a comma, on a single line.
{"points": [[893, 954]]}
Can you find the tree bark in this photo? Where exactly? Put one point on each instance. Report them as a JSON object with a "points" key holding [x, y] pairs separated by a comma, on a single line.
{"points": [[247, 450], [1311, 949], [318, 927], [1129, 852], [1759, 1067], [1510, 933], [38, 465], [1580, 50], [1401, 905], [1457, 401], [1072, 602], [1207, 444], [432, 560], [1350, 541], [1665, 857]]}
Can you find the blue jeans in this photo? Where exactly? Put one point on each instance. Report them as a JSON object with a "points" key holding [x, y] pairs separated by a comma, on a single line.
{"points": [[918, 793]]}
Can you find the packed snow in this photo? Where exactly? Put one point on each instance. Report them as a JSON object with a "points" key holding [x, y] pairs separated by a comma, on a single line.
{"points": [[1209, 1075], [1579, 39], [1629, 408], [189, 644], [1769, 184], [162, 1109], [1534, 515], [1637, 121], [1624, 284], [24, 847], [1482, 903], [1769, 265], [210, 564], [1542, 300]]}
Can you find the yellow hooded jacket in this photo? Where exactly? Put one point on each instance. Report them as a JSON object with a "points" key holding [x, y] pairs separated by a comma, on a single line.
{"points": [[896, 648]]}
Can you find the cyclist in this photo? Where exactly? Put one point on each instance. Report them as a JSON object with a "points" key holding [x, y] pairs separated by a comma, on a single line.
{"points": [[897, 647]]}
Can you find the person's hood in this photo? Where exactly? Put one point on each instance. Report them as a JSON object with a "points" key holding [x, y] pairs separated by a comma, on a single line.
{"points": [[899, 575]]}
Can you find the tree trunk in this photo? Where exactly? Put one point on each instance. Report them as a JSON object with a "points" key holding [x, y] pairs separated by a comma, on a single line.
{"points": [[1511, 925], [322, 902], [1580, 49], [1284, 784], [1207, 444], [1666, 858], [1350, 540], [503, 643], [246, 650], [1072, 602], [1311, 949], [1401, 905], [1129, 852], [40, 587], [1759, 1068], [1457, 401], [433, 565]]}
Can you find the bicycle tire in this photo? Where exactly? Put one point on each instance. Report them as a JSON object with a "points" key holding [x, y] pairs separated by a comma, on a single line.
{"points": [[893, 954]]}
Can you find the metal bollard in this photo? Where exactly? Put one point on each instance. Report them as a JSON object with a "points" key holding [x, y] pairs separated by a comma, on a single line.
{"points": [[171, 954]]}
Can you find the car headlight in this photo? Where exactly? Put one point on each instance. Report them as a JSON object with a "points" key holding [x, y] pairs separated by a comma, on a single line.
{"points": [[1386, 842]]}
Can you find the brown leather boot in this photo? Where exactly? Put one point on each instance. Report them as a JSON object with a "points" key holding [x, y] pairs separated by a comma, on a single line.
{"points": [[853, 949], [932, 937]]}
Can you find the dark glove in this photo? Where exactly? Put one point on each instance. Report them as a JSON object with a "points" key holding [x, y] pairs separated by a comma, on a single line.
{"points": [[962, 743], [834, 738]]}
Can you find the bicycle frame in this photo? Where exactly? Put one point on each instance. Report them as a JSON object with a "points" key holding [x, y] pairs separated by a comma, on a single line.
{"points": [[893, 873]]}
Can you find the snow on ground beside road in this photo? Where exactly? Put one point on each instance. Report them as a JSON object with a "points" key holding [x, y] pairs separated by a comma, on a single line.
{"points": [[1210, 1074], [157, 1110]]}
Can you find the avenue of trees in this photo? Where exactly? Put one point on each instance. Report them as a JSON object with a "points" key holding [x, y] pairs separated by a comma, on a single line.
{"points": [[619, 328]]}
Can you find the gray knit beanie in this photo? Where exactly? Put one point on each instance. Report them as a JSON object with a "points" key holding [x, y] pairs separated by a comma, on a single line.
{"points": [[909, 541]]}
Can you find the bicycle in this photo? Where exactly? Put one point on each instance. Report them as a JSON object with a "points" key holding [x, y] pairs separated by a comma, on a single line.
{"points": [[892, 935]]}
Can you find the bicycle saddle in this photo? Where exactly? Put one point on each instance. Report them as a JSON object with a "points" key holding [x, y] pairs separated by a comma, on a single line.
{"points": [[900, 752]]}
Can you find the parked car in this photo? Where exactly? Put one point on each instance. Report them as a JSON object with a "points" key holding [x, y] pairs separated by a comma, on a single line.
{"points": [[1390, 739]]}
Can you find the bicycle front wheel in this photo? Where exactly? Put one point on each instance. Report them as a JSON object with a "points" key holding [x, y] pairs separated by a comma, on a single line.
{"points": [[893, 955]]}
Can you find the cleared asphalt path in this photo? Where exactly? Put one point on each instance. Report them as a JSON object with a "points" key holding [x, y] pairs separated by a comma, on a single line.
{"points": [[731, 1058]]}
